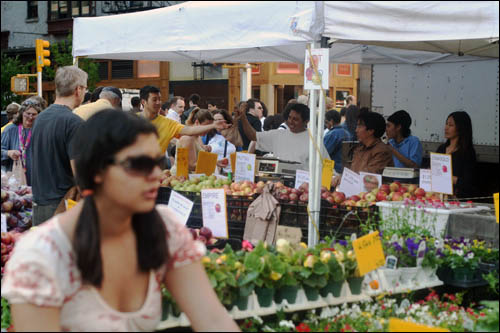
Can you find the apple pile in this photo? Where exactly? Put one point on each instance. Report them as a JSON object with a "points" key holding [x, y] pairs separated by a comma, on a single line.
{"points": [[204, 235], [9, 239], [291, 195], [16, 207]]}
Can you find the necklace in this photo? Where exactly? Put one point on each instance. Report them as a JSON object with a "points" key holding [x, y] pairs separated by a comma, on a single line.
{"points": [[24, 144]]}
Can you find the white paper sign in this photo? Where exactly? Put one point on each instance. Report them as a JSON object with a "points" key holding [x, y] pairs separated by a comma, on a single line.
{"points": [[245, 167], [425, 180], [311, 78], [4, 223], [213, 206], [441, 173], [350, 183], [370, 181], [301, 176], [181, 206]]}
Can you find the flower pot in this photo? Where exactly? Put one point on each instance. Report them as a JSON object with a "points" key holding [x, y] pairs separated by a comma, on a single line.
{"points": [[427, 274], [408, 275], [463, 274], [355, 284], [392, 277], [488, 267], [288, 293], [242, 303], [333, 288], [312, 293], [264, 296]]}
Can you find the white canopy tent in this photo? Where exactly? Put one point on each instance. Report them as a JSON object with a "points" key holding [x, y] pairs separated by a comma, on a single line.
{"points": [[242, 32]]}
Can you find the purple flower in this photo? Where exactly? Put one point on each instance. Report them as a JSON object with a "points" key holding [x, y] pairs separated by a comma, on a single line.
{"points": [[342, 242], [397, 247], [412, 247]]}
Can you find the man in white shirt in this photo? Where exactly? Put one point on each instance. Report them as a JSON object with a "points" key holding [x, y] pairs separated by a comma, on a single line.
{"points": [[291, 145], [176, 108]]}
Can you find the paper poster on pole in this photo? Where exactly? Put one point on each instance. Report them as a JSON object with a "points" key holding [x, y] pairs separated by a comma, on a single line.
{"points": [[181, 206], [370, 181], [327, 173], [301, 176], [441, 173], [319, 79], [350, 183], [206, 163], [182, 162], [213, 206], [495, 199], [425, 180], [245, 167]]}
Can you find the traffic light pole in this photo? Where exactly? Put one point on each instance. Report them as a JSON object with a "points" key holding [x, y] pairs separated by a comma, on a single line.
{"points": [[39, 83]]}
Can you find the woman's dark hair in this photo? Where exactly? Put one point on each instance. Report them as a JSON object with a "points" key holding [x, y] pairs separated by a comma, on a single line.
{"points": [[463, 124], [273, 122], [402, 118], [225, 114], [98, 140], [373, 121], [333, 115], [300, 108]]}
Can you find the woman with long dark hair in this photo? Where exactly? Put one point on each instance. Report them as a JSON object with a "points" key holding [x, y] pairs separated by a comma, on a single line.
{"points": [[458, 132], [100, 265]]}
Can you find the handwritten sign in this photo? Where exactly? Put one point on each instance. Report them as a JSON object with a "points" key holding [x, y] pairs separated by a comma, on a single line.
{"points": [[182, 157], [316, 79], [495, 199], [206, 163], [441, 173], [301, 176], [245, 167], [369, 253], [4, 223], [425, 180], [350, 183], [291, 234], [233, 162], [213, 206], [327, 173], [398, 325], [181, 206], [370, 181]]}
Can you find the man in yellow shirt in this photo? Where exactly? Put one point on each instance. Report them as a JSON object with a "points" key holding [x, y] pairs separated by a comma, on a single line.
{"points": [[168, 128]]}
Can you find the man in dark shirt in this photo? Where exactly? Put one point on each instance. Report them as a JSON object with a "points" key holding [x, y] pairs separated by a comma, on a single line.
{"points": [[253, 113], [53, 152]]}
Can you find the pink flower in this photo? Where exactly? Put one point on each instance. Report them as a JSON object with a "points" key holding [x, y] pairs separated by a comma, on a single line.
{"points": [[246, 245]]}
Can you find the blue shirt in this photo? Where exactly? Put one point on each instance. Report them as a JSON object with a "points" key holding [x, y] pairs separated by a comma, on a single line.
{"points": [[410, 148], [333, 143]]}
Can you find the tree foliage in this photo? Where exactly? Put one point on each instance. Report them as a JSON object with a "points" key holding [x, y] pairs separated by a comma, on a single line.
{"points": [[11, 66]]}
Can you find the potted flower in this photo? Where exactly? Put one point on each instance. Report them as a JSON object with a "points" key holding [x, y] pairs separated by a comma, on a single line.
{"points": [[430, 261], [345, 255], [458, 260], [312, 272], [287, 286]]}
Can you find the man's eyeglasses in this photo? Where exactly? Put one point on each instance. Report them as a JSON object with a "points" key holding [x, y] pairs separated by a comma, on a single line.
{"points": [[141, 165]]}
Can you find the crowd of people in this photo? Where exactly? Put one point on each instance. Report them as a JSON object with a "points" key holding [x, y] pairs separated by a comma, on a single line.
{"points": [[113, 158]]}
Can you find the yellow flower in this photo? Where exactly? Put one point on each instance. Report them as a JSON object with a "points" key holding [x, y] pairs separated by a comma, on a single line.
{"points": [[309, 262], [350, 254], [237, 264], [339, 255], [325, 256], [304, 245], [366, 314], [223, 257], [275, 276], [205, 260], [489, 250]]}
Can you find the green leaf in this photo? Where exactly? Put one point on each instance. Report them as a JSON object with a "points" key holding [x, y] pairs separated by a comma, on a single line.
{"points": [[250, 277], [320, 268]]}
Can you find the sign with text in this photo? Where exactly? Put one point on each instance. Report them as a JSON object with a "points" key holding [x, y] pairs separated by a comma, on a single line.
{"points": [[207, 162], [181, 206], [301, 176], [398, 325], [233, 162], [291, 234], [350, 183], [370, 181], [182, 157], [245, 167], [369, 253], [327, 173], [316, 79], [4, 223], [213, 206], [495, 199], [441, 173], [425, 180]]}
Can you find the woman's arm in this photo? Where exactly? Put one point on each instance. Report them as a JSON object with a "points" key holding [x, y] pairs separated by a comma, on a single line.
{"points": [[31, 318], [193, 292]]}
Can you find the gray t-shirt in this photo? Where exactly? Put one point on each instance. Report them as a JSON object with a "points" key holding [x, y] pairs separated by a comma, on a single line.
{"points": [[53, 131]]}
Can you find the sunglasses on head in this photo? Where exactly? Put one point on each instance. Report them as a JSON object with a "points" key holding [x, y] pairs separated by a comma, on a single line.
{"points": [[141, 165]]}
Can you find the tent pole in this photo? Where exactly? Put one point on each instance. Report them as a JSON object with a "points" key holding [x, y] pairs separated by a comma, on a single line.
{"points": [[319, 163], [248, 68]]}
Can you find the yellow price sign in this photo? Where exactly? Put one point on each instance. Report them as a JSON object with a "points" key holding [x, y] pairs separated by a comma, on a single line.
{"points": [[207, 162], [326, 175], [495, 199], [182, 157], [369, 253], [398, 325], [233, 162]]}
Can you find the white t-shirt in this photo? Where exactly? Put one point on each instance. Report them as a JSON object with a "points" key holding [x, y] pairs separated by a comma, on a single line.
{"points": [[174, 116], [217, 143], [288, 146]]}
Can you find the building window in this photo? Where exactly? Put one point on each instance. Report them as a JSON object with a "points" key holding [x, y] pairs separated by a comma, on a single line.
{"points": [[32, 9], [288, 68], [103, 70], [147, 68], [67, 9], [122, 69]]}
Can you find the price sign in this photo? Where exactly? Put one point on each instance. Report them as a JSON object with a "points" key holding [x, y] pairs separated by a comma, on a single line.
{"points": [[213, 206], [291, 234], [207, 162], [245, 167], [495, 199], [301, 176], [398, 325], [181, 206], [369, 253], [4, 223], [327, 173], [425, 179], [350, 183], [182, 162], [441, 173]]}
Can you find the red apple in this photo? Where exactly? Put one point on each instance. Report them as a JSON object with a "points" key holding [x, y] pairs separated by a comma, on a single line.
{"points": [[370, 197], [394, 187], [419, 192], [385, 188], [330, 199], [412, 188], [293, 196], [202, 239], [397, 196], [206, 232], [325, 195], [338, 197], [403, 189], [324, 189], [354, 198], [304, 197], [304, 187], [381, 196], [284, 197]]}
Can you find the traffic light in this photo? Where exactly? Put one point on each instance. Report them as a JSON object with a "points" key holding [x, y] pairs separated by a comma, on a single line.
{"points": [[42, 54]]}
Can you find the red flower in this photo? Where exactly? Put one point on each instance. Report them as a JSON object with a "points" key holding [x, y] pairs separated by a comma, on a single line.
{"points": [[482, 314], [450, 297], [302, 327], [347, 328], [453, 308], [246, 245], [327, 328]]}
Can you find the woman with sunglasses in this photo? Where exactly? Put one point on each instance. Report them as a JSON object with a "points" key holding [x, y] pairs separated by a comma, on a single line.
{"points": [[16, 140], [100, 265]]}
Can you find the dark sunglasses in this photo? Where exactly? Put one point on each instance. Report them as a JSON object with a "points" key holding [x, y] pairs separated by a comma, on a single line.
{"points": [[141, 165], [29, 102]]}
